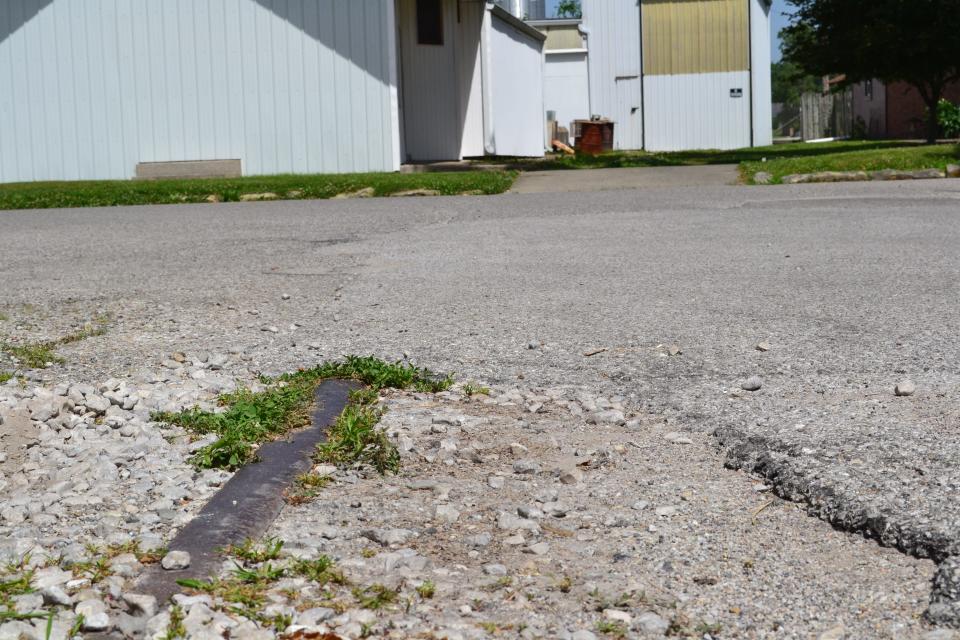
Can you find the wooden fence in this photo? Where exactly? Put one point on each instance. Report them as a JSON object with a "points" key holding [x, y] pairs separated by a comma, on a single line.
{"points": [[826, 115]]}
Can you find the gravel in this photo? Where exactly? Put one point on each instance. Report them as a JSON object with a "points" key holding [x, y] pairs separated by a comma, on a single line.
{"points": [[175, 560], [905, 388], [461, 285]]}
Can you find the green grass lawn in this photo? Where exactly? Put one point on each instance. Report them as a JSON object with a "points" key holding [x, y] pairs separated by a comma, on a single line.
{"points": [[710, 156], [779, 160], [109, 193], [856, 159]]}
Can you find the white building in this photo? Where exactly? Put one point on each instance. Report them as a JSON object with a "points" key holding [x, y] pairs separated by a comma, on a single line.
{"points": [[672, 74], [94, 89]]}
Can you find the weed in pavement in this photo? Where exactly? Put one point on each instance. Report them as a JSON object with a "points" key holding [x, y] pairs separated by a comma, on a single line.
{"points": [[305, 488], [40, 355], [255, 553], [250, 418]]}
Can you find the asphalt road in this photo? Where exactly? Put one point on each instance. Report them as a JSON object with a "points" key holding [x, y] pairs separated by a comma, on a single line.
{"points": [[855, 287]]}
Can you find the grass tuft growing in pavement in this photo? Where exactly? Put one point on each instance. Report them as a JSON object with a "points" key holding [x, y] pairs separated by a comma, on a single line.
{"points": [[255, 553], [306, 487], [470, 389], [355, 438], [375, 596], [175, 628], [39, 355], [33, 355], [320, 570], [250, 418], [427, 589], [15, 585], [111, 193], [612, 628], [375, 373]]}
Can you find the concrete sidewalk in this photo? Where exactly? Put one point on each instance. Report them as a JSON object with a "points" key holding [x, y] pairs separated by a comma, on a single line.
{"points": [[572, 180]]}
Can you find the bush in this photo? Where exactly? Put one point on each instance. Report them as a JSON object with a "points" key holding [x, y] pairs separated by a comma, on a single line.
{"points": [[948, 115]]}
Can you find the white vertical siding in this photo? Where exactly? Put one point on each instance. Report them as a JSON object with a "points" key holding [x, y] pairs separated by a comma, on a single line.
{"points": [[696, 111], [469, 77], [615, 66], [567, 86], [760, 64], [516, 90], [93, 87]]}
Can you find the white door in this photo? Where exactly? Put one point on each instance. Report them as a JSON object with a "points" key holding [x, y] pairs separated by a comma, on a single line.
{"points": [[628, 132], [628, 82], [431, 122]]}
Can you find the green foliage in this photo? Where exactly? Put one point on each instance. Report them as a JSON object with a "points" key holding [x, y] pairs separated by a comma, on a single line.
{"points": [[857, 157], [917, 42], [783, 159], [265, 573], [15, 581], [790, 82], [305, 488], [948, 115], [95, 569], [5, 376], [355, 439], [16, 586], [34, 355], [41, 195], [375, 596], [248, 594], [470, 389], [245, 591], [320, 570], [250, 418], [569, 9], [376, 374], [612, 628], [255, 553], [615, 159], [78, 623], [37, 355], [175, 628], [254, 417], [427, 589], [133, 546]]}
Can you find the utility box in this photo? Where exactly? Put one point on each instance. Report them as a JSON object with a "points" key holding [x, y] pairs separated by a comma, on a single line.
{"points": [[593, 137]]}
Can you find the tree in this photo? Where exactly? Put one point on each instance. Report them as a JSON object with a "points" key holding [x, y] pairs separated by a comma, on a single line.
{"points": [[914, 41], [790, 82], [569, 9]]}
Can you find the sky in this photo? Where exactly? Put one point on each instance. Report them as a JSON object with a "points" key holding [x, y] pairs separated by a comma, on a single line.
{"points": [[779, 22], [776, 13]]}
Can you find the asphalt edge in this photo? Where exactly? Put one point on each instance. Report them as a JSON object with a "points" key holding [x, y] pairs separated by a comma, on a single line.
{"points": [[781, 466]]}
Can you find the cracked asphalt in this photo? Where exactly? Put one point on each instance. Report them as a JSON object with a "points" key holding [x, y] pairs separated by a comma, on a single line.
{"points": [[854, 286]]}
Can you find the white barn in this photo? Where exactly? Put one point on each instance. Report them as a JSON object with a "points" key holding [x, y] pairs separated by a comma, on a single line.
{"points": [[672, 74], [104, 89]]}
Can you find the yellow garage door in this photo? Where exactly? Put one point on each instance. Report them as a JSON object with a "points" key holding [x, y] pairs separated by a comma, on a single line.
{"points": [[695, 36]]}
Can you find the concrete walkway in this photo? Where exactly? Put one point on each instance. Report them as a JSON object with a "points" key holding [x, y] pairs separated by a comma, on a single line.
{"points": [[569, 180]]}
